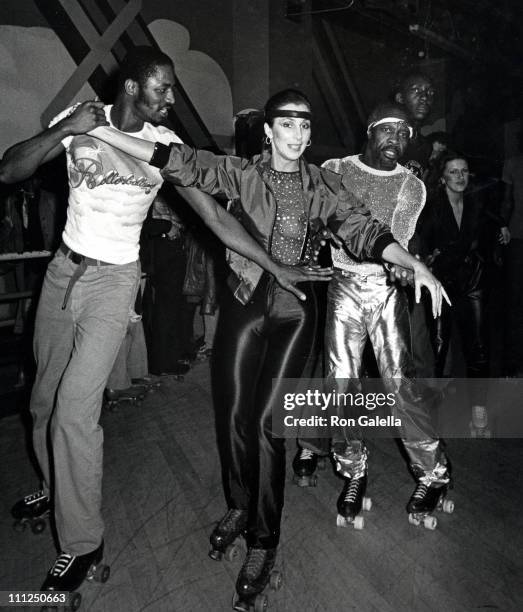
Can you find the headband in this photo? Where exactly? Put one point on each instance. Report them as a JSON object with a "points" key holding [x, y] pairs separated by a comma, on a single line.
{"points": [[288, 113], [390, 120]]}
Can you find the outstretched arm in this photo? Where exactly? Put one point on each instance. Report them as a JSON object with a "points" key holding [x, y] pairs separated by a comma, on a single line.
{"points": [[396, 254], [22, 159], [230, 231]]}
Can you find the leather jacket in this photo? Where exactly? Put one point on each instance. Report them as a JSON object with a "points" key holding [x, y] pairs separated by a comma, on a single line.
{"points": [[245, 183]]}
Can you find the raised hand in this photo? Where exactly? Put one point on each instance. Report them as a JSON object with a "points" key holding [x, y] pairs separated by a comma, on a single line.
{"points": [[85, 117]]}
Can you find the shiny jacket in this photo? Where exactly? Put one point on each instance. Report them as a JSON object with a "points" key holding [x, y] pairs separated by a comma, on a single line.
{"points": [[245, 183]]}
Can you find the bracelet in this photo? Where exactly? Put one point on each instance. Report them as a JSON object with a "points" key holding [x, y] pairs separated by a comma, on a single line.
{"points": [[160, 155]]}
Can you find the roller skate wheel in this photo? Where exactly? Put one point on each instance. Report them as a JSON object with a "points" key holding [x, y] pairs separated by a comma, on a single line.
{"points": [[261, 603], [231, 552], [430, 522], [366, 503], [275, 580], [38, 526], [359, 523], [341, 521], [239, 604], [413, 520], [448, 506], [19, 526], [215, 555], [102, 573], [75, 601]]}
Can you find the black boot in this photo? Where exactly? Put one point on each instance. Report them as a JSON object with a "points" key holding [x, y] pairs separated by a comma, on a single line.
{"points": [[69, 571], [351, 501], [428, 496], [304, 465], [224, 535], [255, 574], [31, 510]]}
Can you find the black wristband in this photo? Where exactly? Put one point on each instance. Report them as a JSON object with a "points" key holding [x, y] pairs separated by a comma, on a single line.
{"points": [[160, 155]]}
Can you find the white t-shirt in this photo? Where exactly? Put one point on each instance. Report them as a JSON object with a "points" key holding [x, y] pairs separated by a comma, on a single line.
{"points": [[109, 194]]}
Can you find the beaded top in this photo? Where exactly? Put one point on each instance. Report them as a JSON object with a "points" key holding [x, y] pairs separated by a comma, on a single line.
{"points": [[290, 227], [394, 197]]}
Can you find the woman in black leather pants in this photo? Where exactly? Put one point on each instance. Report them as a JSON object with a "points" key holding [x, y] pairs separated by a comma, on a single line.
{"points": [[454, 228]]}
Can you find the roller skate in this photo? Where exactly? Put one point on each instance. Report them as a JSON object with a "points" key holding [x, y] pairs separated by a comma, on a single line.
{"points": [[304, 465], [150, 383], [132, 395], [352, 501], [256, 573], [430, 495], [225, 536], [69, 572], [479, 423], [31, 510]]}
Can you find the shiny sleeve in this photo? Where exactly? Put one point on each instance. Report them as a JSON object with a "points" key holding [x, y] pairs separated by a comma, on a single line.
{"points": [[213, 174]]}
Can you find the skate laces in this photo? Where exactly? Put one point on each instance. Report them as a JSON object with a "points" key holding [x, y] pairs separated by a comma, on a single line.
{"points": [[62, 564], [352, 491], [231, 519], [254, 561], [34, 496], [421, 490], [306, 454]]}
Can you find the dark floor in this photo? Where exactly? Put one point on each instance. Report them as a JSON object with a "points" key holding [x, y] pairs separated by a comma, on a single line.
{"points": [[162, 494]]}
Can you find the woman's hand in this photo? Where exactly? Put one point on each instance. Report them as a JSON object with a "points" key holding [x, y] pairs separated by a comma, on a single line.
{"points": [[504, 236], [320, 238], [424, 278], [288, 276]]}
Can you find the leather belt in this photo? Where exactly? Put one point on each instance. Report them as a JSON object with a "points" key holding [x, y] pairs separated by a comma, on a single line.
{"points": [[77, 259]]}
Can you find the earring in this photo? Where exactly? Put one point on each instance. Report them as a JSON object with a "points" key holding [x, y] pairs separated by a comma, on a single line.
{"points": [[268, 140], [309, 143]]}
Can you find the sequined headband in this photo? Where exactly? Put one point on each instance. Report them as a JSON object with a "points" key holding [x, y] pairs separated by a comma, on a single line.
{"points": [[389, 120], [288, 113]]}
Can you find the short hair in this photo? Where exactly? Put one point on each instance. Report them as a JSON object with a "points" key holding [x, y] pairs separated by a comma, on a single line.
{"points": [[282, 98], [141, 63], [403, 79], [448, 157]]}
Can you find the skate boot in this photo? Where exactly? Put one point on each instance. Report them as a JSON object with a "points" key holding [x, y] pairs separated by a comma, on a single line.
{"points": [[352, 501], [68, 573], [116, 397], [150, 383], [479, 423], [256, 573], [430, 495], [31, 510], [304, 465], [224, 538]]}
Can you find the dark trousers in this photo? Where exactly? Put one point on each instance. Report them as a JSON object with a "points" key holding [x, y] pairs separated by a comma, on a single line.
{"points": [[168, 318], [514, 321], [256, 346]]}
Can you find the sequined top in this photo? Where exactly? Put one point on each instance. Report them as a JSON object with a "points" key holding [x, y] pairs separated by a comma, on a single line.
{"points": [[290, 227], [395, 197]]}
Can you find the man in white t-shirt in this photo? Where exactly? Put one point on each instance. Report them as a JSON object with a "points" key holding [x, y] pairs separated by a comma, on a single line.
{"points": [[90, 284]]}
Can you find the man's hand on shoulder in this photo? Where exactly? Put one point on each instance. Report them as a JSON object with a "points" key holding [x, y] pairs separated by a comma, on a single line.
{"points": [[85, 117]]}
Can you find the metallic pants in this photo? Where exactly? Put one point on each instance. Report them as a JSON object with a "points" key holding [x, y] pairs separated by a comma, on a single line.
{"points": [[256, 346], [361, 307]]}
